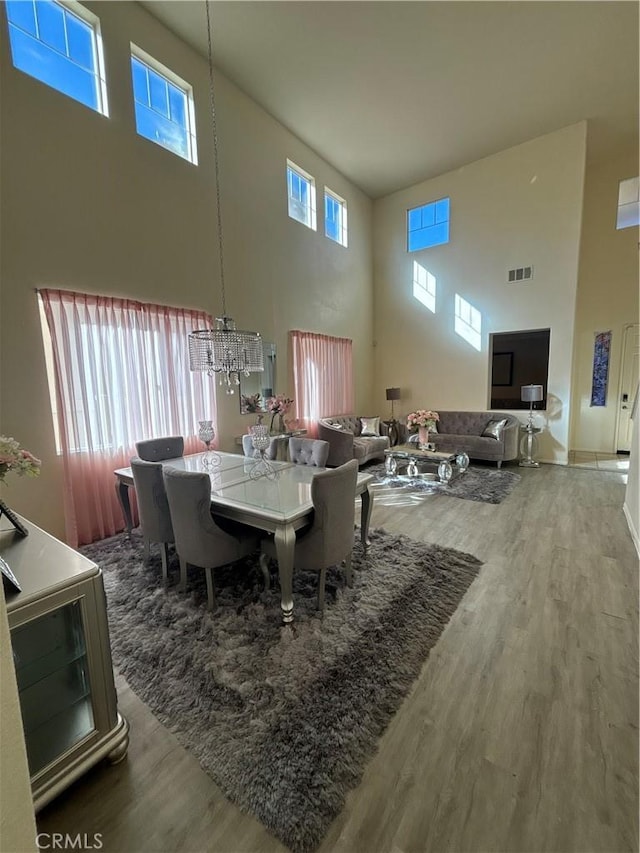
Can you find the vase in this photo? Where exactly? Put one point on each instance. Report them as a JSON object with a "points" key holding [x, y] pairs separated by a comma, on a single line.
{"points": [[423, 437]]}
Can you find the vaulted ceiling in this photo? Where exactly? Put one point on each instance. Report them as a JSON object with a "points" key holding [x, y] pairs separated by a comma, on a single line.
{"points": [[395, 92]]}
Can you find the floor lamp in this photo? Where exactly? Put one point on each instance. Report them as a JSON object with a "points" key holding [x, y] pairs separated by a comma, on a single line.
{"points": [[530, 394]]}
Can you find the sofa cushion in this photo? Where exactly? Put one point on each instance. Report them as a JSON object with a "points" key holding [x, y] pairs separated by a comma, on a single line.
{"points": [[476, 446], [365, 446], [494, 429], [370, 426]]}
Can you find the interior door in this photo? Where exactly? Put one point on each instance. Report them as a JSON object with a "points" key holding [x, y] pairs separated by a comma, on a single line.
{"points": [[628, 386]]}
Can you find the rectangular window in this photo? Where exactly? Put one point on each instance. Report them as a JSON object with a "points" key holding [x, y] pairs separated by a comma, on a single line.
{"points": [[628, 203], [335, 217], [301, 190], [164, 106], [60, 45], [428, 225]]}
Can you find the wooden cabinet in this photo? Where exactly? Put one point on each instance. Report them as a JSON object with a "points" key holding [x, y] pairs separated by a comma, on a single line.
{"points": [[62, 657]]}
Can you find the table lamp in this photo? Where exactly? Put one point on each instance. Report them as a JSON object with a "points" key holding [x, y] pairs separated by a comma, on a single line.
{"points": [[531, 394], [393, 394]]}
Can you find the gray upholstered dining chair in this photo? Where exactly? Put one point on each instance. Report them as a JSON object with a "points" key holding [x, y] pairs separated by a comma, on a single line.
{"points": [[157, 449], [308, 451], [329, 539], [153, 509], [200, 540], [249, 450]]}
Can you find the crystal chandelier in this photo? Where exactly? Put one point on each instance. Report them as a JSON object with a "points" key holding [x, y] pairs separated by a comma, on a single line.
{"points": [[225, 349]]}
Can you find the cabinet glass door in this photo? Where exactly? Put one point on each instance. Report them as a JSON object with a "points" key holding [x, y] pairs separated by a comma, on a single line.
{"points": [[53, 682]]}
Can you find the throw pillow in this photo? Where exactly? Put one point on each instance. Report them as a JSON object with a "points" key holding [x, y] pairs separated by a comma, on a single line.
{"points": [[370, 426], [494, 429]]}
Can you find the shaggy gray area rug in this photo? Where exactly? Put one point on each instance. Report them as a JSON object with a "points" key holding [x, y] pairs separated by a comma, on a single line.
{"points": [[489, 485], [284, 719]]}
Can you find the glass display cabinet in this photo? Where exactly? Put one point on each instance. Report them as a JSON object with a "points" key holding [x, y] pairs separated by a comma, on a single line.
{"points": [[62, 658]]}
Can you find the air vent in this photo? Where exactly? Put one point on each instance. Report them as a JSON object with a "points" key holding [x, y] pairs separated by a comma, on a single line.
{"points": [[520, 274]]}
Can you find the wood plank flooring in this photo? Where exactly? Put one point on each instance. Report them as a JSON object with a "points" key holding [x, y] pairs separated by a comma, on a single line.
{"points": [[521, 733]]}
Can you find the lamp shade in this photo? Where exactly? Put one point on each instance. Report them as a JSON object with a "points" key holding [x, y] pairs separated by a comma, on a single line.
{"points": [[393, 393], [531, 393]]}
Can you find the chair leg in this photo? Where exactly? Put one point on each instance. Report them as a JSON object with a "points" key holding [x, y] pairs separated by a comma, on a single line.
{"points": [[164, 553], [182, 586], [211, 593], [264, 566], [147, 548], [323, 575], [347, 570]]}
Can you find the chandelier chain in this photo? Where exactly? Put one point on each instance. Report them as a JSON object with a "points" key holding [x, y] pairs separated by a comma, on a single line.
{"points": [[216, 164]]}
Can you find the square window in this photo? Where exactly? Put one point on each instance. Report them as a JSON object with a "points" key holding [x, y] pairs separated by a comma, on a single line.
{"points": [[301, 193], [335, 217], [628, 203], [428, 225], [60, 45], [163, 105]]}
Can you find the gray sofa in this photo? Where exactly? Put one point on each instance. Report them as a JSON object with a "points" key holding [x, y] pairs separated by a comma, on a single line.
{"points": [[462, 431], [343, 432]]}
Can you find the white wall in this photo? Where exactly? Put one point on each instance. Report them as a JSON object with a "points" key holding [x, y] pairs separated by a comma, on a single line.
{"points": [[88, 205], [607, 297], [521, 206]]}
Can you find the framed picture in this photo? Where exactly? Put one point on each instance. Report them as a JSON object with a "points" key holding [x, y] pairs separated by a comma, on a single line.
{"points": [[13, 518], [502, 369], [9, 580]]}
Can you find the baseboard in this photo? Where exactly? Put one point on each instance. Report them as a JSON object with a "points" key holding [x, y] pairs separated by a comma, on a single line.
{"points": [[632, 529]]}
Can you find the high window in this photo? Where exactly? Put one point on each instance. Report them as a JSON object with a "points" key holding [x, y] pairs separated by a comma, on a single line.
{"points": [[428, 225], [164, 106], [60, 45], [301, 190], [628, 203], [335, 217]]}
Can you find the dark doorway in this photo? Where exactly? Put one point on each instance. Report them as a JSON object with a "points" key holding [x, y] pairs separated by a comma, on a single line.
{"points": [[517, 359]]}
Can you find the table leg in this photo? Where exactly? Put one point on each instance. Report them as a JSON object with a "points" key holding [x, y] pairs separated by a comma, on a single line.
{"points": [[365, 516], [285, 542], [122, 491]]}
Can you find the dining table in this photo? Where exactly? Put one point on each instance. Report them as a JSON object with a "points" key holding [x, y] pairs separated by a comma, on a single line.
{"points": [[274, 498]]}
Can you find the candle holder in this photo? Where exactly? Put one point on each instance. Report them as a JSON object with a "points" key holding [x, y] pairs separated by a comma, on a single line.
{"points": [[261, 441], [206, 434]]}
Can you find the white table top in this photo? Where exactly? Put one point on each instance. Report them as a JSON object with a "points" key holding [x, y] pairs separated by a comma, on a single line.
{"points": [[281, 498]]}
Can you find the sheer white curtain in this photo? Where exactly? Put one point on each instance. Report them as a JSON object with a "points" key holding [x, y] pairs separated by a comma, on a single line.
{"points": [[122, 374], [322, 377]]}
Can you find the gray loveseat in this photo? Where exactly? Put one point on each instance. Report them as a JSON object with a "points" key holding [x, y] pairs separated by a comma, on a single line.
{"points": [[462, 431], [344, 434]]}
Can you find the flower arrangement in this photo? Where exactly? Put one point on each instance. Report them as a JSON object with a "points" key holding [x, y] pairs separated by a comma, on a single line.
{"points": [[14, 458], [422, 418], [279, 405]]}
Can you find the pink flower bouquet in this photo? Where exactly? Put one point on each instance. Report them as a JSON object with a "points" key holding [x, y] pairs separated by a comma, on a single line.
{"points": [[14, 458]]}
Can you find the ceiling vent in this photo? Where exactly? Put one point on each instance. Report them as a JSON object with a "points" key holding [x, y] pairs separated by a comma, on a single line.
{"points": [[520, 274]]}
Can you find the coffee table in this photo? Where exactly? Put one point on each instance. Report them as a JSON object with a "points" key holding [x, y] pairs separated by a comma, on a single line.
{"points": [[425, 462]]}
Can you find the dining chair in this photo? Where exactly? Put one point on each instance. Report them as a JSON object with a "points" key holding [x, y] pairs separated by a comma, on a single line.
{"points": [[200, 539], [249, 450], [328, 541], [153, 509], [157, 449], [308, 451]]}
